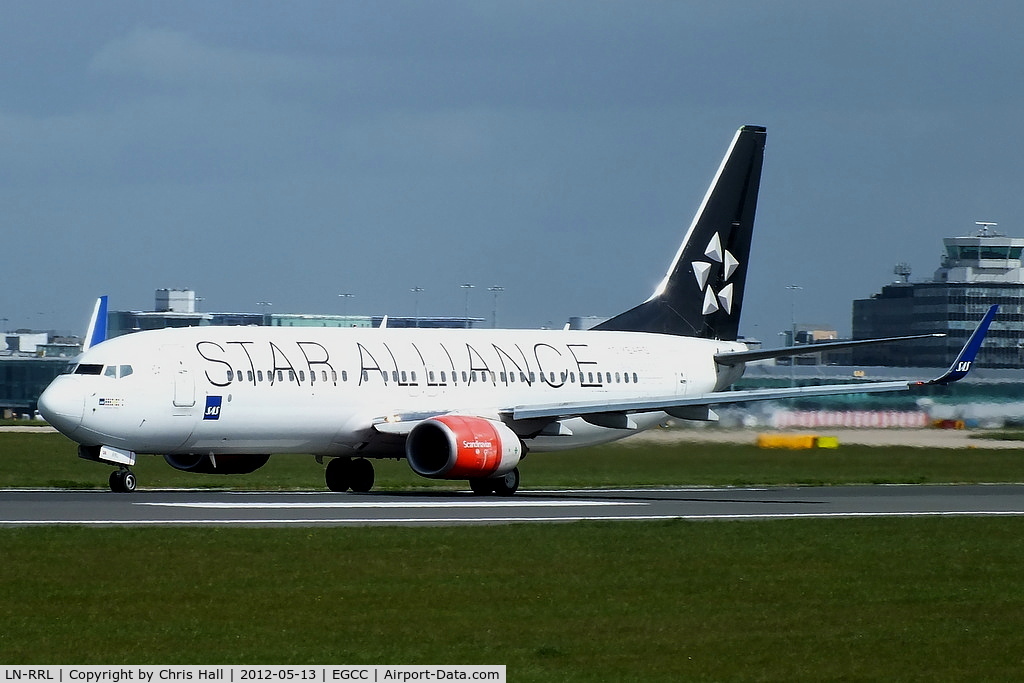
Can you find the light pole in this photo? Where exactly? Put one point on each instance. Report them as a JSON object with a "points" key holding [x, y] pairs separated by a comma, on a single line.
{"points": [[792, 330], [266, 307], [792, 311], [496, 290], [416, 310], [467, 287], [344, 305]]}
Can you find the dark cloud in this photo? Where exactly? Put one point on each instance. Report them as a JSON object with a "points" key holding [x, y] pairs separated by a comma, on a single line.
{"points": [[293, 151]]}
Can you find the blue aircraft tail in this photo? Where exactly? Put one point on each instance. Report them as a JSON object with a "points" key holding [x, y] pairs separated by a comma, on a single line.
{"points": [[97, 324]]}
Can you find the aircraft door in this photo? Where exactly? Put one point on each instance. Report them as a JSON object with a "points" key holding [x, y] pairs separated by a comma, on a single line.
{"points": [[184, 386], [184, 382]]}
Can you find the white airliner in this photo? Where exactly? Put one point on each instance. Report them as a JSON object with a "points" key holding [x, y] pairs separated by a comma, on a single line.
{"points": [[457, 404]]}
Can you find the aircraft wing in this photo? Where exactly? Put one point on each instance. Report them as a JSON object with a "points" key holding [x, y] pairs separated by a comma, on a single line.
{"points": [[736, 357], [684, 406]]}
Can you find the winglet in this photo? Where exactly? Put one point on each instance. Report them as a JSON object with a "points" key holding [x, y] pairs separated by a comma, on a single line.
{"points": [[97, 324], [962, 365]]}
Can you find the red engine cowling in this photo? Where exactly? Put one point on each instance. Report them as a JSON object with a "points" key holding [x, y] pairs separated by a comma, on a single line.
{"points": [[462, 447], [218, 464]]}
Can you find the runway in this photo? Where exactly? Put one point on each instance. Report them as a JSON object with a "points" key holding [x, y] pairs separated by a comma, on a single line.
{"points": [[269, 509]]}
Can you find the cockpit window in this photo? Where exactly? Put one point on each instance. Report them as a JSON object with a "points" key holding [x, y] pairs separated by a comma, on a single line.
{"points": [[111, 371]]}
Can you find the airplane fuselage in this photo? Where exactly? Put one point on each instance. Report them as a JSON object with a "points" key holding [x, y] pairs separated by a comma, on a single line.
{"points": [[254, 390]]}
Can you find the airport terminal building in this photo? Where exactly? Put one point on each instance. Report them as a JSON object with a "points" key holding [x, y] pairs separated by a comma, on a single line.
{"points": [[976, 272]]}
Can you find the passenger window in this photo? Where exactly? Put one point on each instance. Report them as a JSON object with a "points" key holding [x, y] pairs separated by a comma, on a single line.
{"points": [[280, 375], [291, 375], [231, 375], [259, 375], [248, 375], [404, 377], [634, 378], [302, 375], [238, 374]]}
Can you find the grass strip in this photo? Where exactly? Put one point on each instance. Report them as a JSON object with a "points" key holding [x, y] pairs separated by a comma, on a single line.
{"points": [[44, 460], [879, 599]]}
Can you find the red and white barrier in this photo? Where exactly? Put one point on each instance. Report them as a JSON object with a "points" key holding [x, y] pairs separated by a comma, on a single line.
{"points": [[871, 419]]}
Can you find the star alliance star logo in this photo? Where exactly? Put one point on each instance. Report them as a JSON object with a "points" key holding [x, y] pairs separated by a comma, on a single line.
{"points": [[722, 299]]}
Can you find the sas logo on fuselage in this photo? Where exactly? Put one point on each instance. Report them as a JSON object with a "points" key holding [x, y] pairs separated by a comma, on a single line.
{"points": [[212, 408]]}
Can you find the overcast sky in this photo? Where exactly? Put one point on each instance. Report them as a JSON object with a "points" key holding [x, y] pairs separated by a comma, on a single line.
{"points": [[291, 151]]}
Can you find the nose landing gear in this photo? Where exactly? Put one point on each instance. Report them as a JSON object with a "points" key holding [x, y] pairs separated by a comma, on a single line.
{"points": [[122, 481]]}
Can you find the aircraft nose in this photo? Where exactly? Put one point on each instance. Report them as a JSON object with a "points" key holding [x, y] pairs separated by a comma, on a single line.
{"points": [[62, 405]]}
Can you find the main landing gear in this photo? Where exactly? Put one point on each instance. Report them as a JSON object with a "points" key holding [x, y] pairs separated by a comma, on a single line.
{"points": [[122, 481], [343, 474], [504, 485]]}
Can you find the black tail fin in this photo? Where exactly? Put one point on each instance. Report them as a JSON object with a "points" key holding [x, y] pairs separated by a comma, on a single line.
{"points": [[702, 292]]}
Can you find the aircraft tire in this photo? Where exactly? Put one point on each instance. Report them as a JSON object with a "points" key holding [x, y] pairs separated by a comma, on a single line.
{"points": [[122, 481], [361, 476], [337, 475], [508, 484], [482, 486]]}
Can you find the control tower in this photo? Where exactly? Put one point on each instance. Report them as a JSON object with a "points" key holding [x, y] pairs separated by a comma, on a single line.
{"points": [[976, 271]]}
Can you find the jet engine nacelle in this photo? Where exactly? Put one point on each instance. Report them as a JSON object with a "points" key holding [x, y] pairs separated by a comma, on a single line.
{"points": [[217, 464], [462, 447]]}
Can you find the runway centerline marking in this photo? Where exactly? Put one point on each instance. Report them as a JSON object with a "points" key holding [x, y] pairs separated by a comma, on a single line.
{"points": [[452, 504]]}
